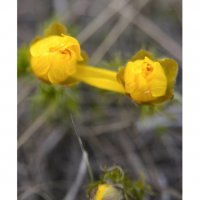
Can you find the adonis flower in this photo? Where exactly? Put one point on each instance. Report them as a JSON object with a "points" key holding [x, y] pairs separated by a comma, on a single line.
{"points": [[57, 58], [54, 58], [147, 80]]}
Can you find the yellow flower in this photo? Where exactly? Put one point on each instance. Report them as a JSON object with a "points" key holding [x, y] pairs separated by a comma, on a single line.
{"points": [[57, 58], [107, 191], [54, 58], [149, 81]]}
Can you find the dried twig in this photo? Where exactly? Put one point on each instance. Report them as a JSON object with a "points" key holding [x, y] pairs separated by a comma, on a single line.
{"points": [[116, 31], [101, 19], [157, 34], [34, 127], [79, 179], [105, 128], [132, 157], [24, 92], [35, 191]]}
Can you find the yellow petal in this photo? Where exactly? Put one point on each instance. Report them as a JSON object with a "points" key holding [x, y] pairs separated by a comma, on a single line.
{"points": [[158, 85], [100, 191], [170, 67], [96, 72], [40, 66], [100, 78], [52, 43], [132, 70], [60, 69], [108, 192], [171, 70]]}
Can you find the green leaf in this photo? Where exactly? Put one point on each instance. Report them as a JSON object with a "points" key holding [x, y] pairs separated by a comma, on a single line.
{"points": [[170, 67], [22, 60], [55, 29], [141, 54]]}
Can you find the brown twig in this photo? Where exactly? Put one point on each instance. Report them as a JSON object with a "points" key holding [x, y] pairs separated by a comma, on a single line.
{"points": [[71, 195], [155, 32], [116, 31], [33, 128], [101, 19]]}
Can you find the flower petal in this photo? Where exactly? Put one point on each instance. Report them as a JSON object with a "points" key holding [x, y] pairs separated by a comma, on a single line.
{"points": [[100, 78], [40, 66], [170, 67], [60, 68], [158, 84]]}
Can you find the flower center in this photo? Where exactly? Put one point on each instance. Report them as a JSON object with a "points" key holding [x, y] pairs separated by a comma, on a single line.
{"points": [[149, 68], [65, 51], [62, 51]]}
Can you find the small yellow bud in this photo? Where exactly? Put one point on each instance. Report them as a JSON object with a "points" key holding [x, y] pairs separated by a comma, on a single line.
{"points": [[54, 58], [107, 192]]}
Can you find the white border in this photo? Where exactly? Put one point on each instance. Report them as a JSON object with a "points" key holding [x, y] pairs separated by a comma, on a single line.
{"points": [[8, 100], [191, 99]]}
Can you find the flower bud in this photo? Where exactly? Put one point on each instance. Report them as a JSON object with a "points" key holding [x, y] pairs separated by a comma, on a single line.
{"points": [[54, 58], [149, 81], [107, 192]]}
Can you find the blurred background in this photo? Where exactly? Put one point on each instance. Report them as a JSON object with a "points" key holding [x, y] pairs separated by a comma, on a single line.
{"points": [[141, 139]]}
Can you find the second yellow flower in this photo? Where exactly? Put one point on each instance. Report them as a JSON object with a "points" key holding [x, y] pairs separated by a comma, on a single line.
{"points": [[54, 58]]}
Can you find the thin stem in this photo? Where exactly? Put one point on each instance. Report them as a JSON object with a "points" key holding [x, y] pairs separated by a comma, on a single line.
{"points": [[85, 155]]}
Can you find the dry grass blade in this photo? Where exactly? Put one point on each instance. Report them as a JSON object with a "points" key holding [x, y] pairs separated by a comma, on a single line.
{"points": [[172, 193], [116, 31], [159, 36], [105, 128], [101, 19], [35, 191], [25, 91], [34, 127], [134, 160], [151, 29], [71, 195], [84, 152]]}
